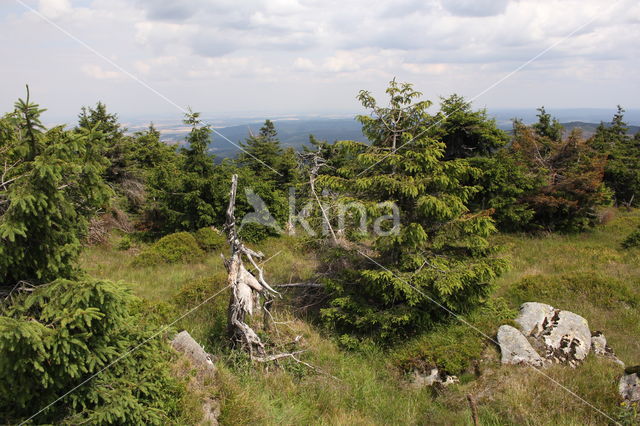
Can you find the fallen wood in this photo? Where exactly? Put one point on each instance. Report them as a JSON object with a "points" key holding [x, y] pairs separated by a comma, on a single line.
{"points": [[300, 285]]}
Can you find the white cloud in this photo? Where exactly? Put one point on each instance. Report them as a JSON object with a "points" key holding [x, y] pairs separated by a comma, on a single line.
{"points": [[426, 68], [54, 8], [304, 64], [330, 48], [97, 72]]}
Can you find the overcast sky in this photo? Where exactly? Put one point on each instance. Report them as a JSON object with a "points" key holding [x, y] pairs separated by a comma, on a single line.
{"points": [[233, 57]]}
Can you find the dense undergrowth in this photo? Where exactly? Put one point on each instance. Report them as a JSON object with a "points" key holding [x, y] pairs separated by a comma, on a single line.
{"points": [[589, 273]]}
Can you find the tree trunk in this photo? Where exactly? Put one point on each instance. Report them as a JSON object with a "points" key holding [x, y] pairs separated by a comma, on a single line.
{"points": [[246, 288]]}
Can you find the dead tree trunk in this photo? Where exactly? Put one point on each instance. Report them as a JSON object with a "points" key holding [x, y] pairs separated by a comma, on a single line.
{"points": [[246, 287]]}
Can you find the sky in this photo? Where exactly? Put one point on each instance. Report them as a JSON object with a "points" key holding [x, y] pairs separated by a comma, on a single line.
{"points": [[154, 58]]}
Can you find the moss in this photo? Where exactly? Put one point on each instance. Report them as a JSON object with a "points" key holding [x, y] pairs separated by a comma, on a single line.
{"points": [[181, 247], [209, 239]]}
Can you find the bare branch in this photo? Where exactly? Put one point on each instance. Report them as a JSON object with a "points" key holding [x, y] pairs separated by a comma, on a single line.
{"points": [[300, 285]]}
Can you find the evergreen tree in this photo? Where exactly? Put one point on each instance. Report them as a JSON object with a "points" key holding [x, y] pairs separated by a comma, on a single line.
{"points": [[467, 133], [184, 191], [440, 252], [51, 184], [262, 152], [570, 175], [503, 184], [548, 126], [622, 172], [98, 119], [62, 335]]}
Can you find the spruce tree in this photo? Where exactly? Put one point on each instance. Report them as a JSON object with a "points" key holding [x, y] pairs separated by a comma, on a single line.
{"points": [[184, 191], [262, 152], [547, 126], [569, 174], [51, 185], [98, 119], [622, 172], [467, 133], [440, 253]]}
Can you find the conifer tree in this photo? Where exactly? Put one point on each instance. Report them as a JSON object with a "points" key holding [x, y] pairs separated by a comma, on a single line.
{"points": [[98, 119], [184, 190], [467, 133], [569, 173], [84, 333], [440, 252], [262, 152], [51, 184], [622, 172], [547, 126]]}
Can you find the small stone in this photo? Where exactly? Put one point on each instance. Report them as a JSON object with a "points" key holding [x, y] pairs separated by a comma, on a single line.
{"points": [[184, 343], [599, 343], [601, 348], [629, 385], [516, 349], [420, 380]]}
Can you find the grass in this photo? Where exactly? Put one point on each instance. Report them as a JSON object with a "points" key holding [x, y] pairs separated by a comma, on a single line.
{"points": [[589, 274]]}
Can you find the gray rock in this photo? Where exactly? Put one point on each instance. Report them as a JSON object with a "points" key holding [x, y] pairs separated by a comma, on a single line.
{"points": [[601, 348], [599, 343], [516, 349], [629, 385], [211, 412], [567, 338], [420, 380], [534, 318], [184, 343]]}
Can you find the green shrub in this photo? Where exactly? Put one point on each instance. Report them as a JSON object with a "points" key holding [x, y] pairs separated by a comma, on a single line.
{"points": [[207, 324], [632, 240], [125, 243], [255, 232], [210, 239], [180, 247], [452, 347], [70, 333]]}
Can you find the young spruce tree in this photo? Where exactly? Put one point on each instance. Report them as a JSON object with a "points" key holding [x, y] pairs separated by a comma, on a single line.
{"points": [[440, 252], [51, 184]]}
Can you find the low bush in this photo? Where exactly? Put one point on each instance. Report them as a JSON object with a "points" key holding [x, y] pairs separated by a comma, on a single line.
{"points": [[210, 239], [180, 247], [632, 240], [207, 324], [125, 243]]}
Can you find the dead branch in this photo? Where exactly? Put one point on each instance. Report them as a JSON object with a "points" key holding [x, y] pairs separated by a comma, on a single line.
{"points": [[300, 285], [246, 287], [317, 162]]}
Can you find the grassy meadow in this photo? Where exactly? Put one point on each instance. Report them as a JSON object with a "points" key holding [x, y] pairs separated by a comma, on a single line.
{"points": [[588, 273]]}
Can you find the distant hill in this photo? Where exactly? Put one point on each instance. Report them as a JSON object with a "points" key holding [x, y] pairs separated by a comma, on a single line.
{"points": [[295, 132], [589, 129]]}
